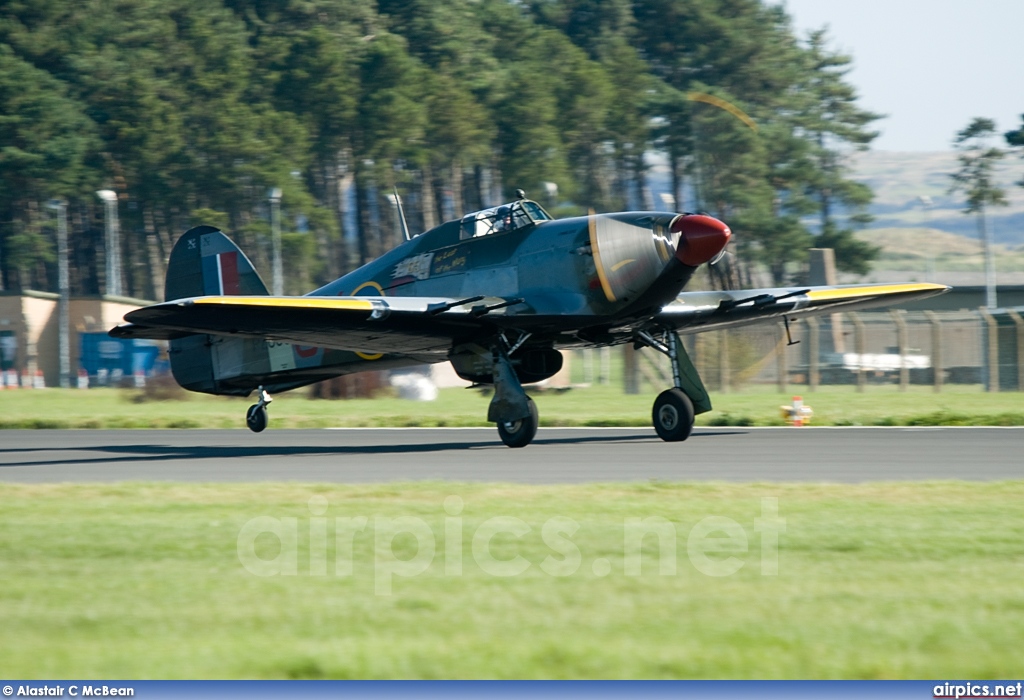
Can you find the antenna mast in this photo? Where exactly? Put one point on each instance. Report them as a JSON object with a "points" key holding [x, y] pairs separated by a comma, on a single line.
{"points": [[401, 214]]}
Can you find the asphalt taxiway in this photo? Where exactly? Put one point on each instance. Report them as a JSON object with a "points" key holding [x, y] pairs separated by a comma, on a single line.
{"points": [[556, 456]]}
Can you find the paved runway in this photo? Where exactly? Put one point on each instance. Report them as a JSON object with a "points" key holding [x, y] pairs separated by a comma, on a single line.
{"points": [[556, 456]]}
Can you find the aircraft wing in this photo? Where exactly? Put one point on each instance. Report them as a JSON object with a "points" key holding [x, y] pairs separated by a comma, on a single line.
{"points": [[403, 325], [699, 311], [428, 325]]}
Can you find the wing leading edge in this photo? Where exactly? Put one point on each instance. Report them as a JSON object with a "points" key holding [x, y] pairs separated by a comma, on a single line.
{"points": [[699, 311]]}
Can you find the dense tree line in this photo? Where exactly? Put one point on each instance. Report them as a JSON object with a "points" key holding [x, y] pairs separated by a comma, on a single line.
{"points": [[191, 110]]}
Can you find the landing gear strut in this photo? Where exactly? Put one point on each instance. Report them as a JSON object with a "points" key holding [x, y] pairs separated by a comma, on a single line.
{"points": [[513, 411], [256, 417], [675, 409]]}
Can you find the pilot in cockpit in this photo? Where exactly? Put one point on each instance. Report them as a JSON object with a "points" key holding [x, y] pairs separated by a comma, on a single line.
{"points": [[503, 219]]}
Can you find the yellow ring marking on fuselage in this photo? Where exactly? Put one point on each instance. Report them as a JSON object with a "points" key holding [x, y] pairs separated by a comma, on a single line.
{"points": [[371, 283], [380, 290], [619, 265]]}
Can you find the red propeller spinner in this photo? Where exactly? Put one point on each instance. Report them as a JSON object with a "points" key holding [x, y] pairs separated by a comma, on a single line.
{"points": [[701, 238]]}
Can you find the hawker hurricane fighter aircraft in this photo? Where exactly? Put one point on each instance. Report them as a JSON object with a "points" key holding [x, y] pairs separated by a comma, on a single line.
{"points": [[499, 294]]}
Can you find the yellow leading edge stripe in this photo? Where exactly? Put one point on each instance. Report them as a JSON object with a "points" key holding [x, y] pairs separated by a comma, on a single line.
{"points": [[291, 302], [871, 290], [360, 305]]}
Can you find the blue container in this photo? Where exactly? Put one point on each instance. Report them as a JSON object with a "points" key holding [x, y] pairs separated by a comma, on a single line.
{"points": [[103, 356]]}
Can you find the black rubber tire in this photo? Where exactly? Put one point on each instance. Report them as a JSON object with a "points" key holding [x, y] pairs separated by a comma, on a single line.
{"points": [[520, 433], [673, 415], [256, 418]]}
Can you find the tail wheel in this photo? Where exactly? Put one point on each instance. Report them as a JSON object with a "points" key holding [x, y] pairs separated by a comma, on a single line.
{"points": [[256, 418], [520, 433], [673, 415]]}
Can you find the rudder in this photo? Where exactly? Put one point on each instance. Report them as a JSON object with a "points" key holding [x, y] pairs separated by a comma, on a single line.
{"points": [[205, 262]]}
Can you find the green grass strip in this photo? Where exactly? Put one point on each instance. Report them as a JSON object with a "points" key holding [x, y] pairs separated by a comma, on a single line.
{"points": [[873, 581], [589, 406]]}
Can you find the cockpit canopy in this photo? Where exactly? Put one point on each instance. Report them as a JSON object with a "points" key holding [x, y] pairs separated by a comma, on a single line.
{"points": [[502, 219]]}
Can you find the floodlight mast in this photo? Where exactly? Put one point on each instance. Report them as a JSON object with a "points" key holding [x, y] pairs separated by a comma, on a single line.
{"points": [[64, 289], [275, 240], [113, 243]]}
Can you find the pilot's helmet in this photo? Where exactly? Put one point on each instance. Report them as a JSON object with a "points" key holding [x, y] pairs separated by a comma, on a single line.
{"points": [[504, 217]]}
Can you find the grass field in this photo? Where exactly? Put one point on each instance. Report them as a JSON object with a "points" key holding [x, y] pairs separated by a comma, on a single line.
{"points": [[873, 581], [591, 406]]}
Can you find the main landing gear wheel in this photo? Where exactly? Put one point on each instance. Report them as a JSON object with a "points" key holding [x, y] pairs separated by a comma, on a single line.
{"points": [[673, 415], [520, 433], [256, 418]]}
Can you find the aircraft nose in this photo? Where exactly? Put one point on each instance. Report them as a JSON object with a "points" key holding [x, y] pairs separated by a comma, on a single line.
{"points": [[701, 238]]}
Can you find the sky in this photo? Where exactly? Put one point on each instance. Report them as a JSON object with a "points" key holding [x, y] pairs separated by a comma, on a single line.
{"points": [[930, 65]]}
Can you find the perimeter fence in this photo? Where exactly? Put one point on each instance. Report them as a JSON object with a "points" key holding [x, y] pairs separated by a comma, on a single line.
{"points": [[866, 349]]}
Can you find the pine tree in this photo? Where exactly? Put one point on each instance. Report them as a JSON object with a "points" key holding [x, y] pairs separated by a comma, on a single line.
{"points": [[975, 179], [45, 137]]}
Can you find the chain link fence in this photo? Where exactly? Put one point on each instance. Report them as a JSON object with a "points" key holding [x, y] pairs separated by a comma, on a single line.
{"points": [[864, 349]]}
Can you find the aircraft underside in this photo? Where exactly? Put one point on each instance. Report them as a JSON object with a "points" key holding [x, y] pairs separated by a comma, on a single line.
{"points": [[506, 363]]}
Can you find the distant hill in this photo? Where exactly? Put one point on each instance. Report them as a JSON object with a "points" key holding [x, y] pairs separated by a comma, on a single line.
{"points": [[933, 255], [899, 180], [935, 242]]}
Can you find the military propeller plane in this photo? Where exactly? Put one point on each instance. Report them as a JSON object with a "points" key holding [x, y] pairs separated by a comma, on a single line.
{"points": [[498, 293]]}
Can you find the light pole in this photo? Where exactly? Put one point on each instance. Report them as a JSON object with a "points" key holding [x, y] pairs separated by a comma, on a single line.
{"points": [[925, 201], [275, 240], [109, 198], [64, 289], [990, 264]]}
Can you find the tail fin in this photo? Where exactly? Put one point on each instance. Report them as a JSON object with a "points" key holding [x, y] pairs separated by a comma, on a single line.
{"points": [[205, 262]]}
